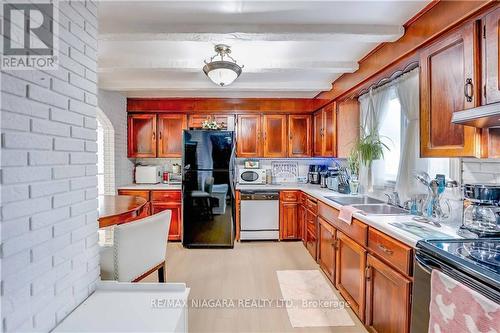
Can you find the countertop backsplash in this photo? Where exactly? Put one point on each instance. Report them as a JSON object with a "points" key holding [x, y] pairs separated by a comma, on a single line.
{"points": [[293, 166]]}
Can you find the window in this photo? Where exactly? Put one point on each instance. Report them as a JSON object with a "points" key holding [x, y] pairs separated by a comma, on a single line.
{"points": [[105, 154], [100, 158], [392, 128], [390, 131]]}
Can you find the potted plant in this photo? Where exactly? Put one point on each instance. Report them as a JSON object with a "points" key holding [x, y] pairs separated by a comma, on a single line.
{"points": [[353, 165], [368, 148]]}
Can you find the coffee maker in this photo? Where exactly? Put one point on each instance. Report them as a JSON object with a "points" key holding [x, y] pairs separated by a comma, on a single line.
{"points": [[482, 212], [314, 176]]}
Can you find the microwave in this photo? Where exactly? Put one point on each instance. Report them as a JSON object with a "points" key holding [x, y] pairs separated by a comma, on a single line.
{"points": [[252, 176], [148, 174]]}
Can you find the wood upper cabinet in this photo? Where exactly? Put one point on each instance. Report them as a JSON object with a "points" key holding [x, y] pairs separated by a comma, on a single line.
{"points": [[141, 135], [195, 121], [318, 133], [350, 273], [326, 248], [348, 126], [388, 296], [275, 135], [449, 82], [491, 57], [170, 127], [325, 123], [248, 132], [299, 136]]}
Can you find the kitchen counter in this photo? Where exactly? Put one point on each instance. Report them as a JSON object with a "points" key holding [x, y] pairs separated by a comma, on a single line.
{"points": [[152, 187], [379, 222]]}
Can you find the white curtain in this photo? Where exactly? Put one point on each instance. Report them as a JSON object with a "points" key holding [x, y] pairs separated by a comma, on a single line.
{"points": [[407, 91], [373, 106]]}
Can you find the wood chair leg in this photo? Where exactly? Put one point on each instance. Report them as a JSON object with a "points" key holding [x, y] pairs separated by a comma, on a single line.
{"points": [[161, 274]]}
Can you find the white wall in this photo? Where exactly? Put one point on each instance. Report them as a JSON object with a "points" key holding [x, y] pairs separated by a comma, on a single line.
{"points": [[49, 250], [481, 170], [114, 105]]}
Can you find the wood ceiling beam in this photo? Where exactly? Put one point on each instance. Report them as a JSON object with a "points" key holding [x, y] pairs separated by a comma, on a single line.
{"points": [[265, 32]]}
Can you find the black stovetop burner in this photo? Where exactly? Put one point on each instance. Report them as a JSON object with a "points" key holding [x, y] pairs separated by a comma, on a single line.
{"points": [[479, 257]]}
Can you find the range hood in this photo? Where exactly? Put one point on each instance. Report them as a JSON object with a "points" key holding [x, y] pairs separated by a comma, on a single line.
{"points": [[486, 116]]}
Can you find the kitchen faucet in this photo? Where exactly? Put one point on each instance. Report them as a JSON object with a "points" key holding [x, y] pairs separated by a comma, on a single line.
{"points": [[393, 199]]}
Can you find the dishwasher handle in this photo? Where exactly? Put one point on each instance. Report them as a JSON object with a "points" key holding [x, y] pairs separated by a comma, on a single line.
{"points": [[260, 196]]}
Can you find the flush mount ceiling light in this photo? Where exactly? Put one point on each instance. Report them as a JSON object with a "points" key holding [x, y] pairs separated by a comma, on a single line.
{"points": [[222, 72]]}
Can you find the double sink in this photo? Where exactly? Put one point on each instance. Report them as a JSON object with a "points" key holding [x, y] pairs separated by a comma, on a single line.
{"points": [[369, 206]]}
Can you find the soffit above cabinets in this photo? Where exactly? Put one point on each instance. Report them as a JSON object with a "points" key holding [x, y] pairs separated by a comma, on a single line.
{"points": [[289, 48]]}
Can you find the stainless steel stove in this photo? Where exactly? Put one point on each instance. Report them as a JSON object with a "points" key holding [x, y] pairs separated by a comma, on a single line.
{"points": [[473, 262]]}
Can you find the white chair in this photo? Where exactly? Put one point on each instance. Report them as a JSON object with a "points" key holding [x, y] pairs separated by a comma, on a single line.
{"points": [[138, 249]]}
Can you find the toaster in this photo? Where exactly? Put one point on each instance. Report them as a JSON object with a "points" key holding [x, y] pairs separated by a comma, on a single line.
{"points": [[148, 174]]}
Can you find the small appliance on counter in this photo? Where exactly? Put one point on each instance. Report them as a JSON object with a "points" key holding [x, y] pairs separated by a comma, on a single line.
{"points": [[148, 174], [482, 214], [252, 176], [314, 176]]}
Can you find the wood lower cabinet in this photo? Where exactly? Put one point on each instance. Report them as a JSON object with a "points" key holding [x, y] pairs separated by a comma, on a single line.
{"points": [[248, 132], [388, 297], [301, 217], [350, 273], [326, 248], [160, 201], [175, 232], [491, 57], [311, 233], [289, 215], [141, 135], [299, 136], [449, 82], [170, 128], [275, 135]]}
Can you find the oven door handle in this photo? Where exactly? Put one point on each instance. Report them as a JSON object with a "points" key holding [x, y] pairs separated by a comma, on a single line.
{"points": [[425, 265]]}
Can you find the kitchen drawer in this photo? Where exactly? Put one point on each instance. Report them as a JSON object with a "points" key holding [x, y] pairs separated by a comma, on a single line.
{"points": [[138, 193], [357, 230], [392, 251], [289, 196], [166, 196], [311, 243], [303, 198], [312, 205]]}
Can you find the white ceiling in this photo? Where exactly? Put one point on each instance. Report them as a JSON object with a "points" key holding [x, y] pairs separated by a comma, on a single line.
{"points": [[288, 48]]}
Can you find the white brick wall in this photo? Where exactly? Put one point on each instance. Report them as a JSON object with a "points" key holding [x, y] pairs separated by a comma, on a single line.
{"points": [[114, 106], [49, 251], [481, 170]]}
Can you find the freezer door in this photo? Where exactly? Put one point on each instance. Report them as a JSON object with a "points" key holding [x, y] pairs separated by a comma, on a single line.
{"points": [[207, 150]]}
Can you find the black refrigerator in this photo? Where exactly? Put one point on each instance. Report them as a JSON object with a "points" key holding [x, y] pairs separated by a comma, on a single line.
{"points": [[208, 189]]}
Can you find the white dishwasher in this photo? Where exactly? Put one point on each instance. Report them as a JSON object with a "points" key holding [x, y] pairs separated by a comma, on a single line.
{"points": [[259, 215]]}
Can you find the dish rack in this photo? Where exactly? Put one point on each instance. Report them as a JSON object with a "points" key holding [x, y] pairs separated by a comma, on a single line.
{"points": [[285, 172]]}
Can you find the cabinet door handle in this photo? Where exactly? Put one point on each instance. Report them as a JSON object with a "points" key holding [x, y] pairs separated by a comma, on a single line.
{"points": [[468, 89], [154, 136], [367, 273], [159, 136], [386, 250]]}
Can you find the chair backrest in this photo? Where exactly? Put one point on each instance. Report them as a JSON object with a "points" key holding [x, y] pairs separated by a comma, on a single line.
{"points": [[140, 245], [209, 184]]}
